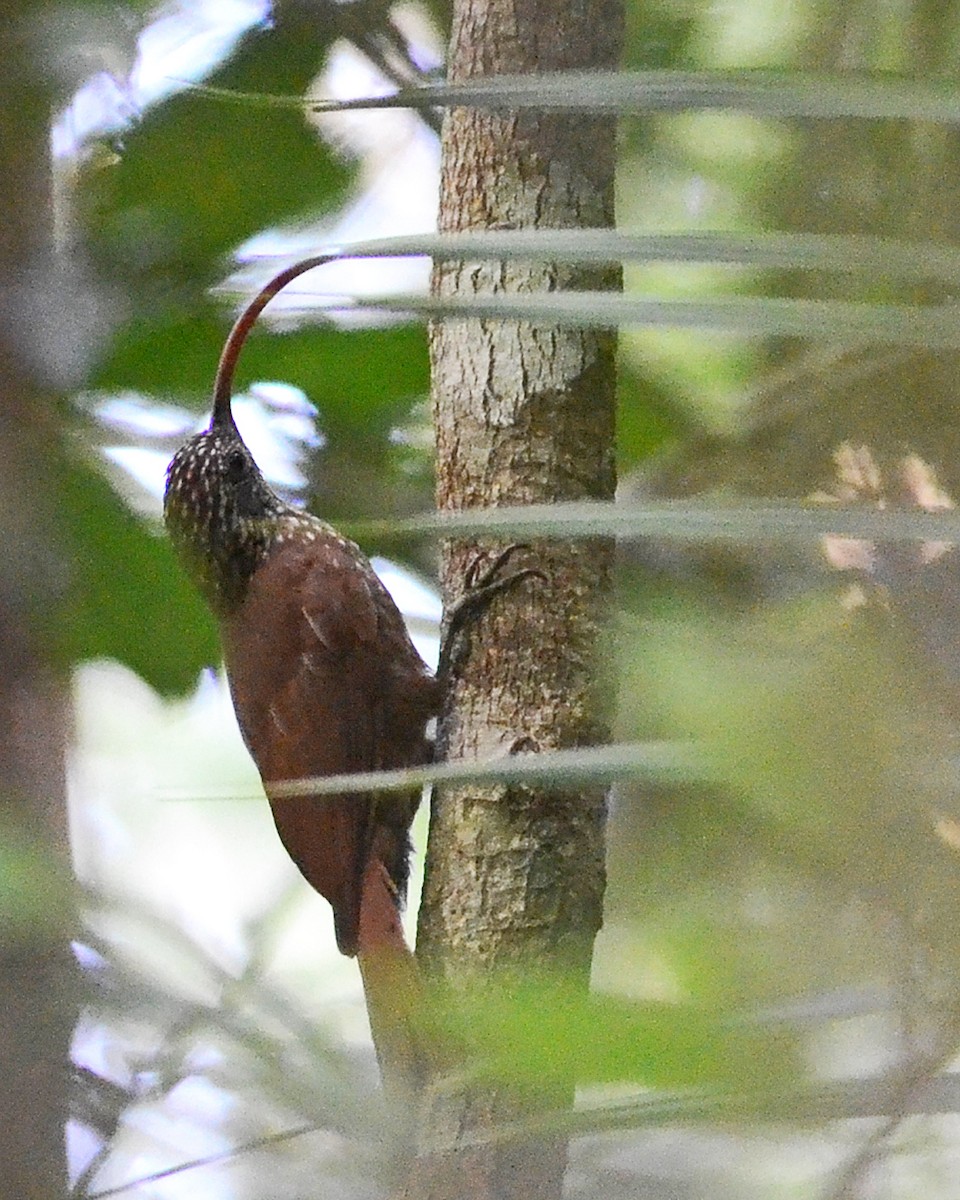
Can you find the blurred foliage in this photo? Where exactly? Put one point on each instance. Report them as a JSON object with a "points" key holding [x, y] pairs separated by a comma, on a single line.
{"points": [[192, 180], [191, 1042], [342, 371], [810, 879], [161, 629], [829, 746], [535, 1033], [32, 899]]}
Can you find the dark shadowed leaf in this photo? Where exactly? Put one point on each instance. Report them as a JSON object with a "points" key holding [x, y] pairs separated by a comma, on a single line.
{"points": [[126, 597], [194, 178]]}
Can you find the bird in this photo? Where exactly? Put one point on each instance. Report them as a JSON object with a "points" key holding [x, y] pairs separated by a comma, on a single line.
{"points": [[322, 672], [324, 680]]}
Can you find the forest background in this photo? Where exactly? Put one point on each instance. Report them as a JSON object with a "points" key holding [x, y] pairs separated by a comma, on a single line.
{"points": [[786, 174]]}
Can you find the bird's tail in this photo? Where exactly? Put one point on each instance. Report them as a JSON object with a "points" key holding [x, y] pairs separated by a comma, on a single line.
{"points": [[393, 985]]}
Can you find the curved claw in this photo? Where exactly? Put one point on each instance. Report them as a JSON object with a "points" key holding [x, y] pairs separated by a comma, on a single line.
{"points": [[471, 579], [480, 590]]}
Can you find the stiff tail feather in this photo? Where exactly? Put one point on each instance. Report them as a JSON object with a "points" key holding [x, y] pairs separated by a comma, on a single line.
{"points": [[394, 989]]}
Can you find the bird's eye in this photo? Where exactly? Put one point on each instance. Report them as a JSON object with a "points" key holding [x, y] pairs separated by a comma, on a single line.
{"points": [[236, 466]]}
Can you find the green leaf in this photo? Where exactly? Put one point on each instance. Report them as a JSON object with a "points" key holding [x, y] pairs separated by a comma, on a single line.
{"points": [[564, 768], [649, 417], [194, 178], [35, 898], [362, 380], [541, 1032], [876, 256], [357, 378], [763, 93], [684, 521], [126, 598], [173, 356], [931, 327]]}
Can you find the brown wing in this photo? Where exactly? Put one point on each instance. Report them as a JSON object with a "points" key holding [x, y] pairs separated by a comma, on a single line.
{"points": [[325, 680]]}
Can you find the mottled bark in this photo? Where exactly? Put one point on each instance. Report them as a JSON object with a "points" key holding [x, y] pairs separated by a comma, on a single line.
{"points": [[524, 413]]}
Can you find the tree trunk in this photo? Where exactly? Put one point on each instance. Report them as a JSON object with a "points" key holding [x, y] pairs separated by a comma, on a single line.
{"points": [[36, 965], [524, 414]]}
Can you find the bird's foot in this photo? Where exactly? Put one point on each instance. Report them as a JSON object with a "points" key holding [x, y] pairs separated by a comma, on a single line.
{"points": [[484, 582]]}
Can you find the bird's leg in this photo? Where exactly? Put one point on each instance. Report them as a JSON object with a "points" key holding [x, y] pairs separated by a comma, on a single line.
{"points": [[481, 589]]}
